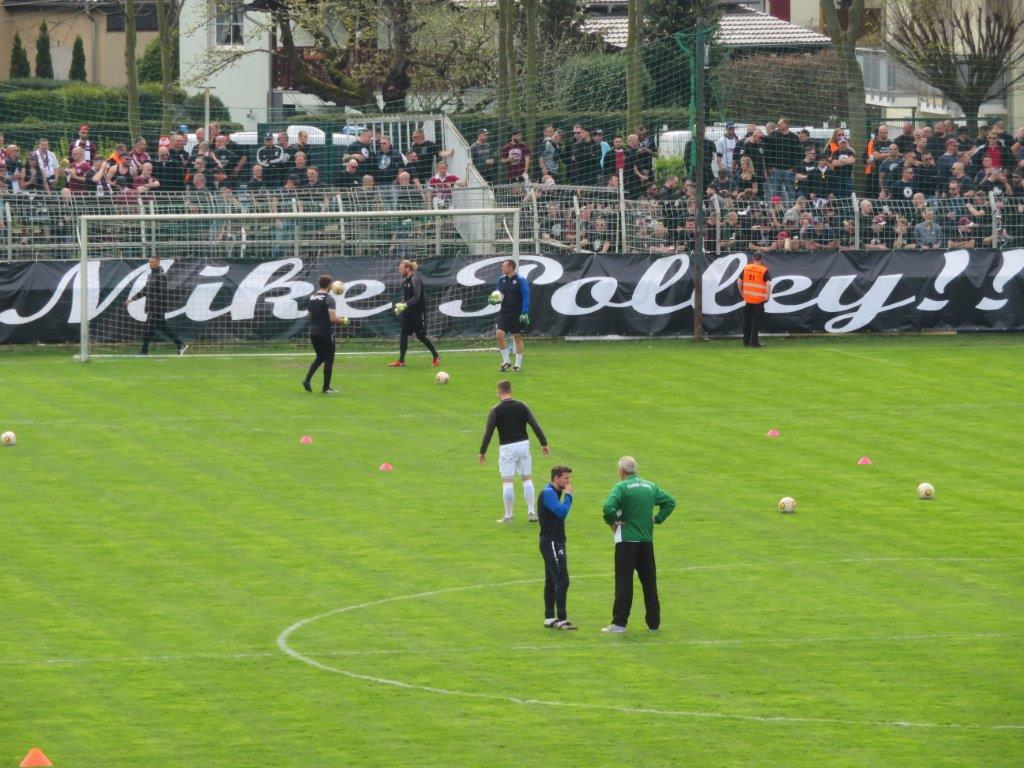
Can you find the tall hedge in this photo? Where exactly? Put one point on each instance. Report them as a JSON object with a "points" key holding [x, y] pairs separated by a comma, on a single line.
{"points": [[150, 68], [593, 83], [44, 61]]}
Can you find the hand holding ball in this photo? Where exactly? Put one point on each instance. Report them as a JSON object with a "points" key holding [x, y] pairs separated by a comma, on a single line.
{"points": [[399, 308], [495, 298]]}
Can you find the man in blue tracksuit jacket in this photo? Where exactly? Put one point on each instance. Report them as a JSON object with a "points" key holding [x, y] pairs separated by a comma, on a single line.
{"points": [[514, 314], [552, 509]]}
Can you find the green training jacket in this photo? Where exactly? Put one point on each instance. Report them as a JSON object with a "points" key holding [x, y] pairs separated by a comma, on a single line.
{"points": [[631, 502]]}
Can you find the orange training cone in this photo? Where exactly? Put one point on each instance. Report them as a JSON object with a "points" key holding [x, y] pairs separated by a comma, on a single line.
{"points": [[34, 758]]}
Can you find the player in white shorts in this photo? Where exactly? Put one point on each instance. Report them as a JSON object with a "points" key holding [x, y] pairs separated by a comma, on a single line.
{"points": [[511, 417]]}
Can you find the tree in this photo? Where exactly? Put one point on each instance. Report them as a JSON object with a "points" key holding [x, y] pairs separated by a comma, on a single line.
{"points": [[44, 62], [844, 38], [19, 59], [634, 94], [668, 67], [969, 50], [530, 86], [77, 71], [131, 69], [151, 61], [167, 26]]}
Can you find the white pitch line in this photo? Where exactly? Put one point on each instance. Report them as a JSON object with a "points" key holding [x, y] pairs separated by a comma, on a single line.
{"points": [[694, 642], [302, 353], [283, 645]]}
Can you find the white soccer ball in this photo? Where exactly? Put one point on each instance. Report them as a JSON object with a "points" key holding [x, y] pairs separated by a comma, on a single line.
{"points": [[442, 377], [496, 297], [9, 439], [337, 287], [925, 491], [787, 505]]}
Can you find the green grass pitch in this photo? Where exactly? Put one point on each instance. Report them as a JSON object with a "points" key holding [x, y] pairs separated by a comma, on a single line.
{"points": [[161, 526]]}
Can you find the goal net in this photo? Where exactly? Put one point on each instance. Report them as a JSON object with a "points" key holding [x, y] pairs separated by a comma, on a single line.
{"points": [[239, 282]]}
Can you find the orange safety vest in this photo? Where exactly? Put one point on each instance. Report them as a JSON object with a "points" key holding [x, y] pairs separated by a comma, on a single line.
{"points": [[869, 161], [755, 288]]}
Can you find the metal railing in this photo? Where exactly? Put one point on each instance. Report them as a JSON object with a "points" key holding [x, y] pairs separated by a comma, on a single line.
{"points": [[553, 219]]}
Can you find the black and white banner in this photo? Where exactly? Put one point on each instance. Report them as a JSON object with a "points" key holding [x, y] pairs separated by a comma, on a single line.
{"points": [[574, 294]]}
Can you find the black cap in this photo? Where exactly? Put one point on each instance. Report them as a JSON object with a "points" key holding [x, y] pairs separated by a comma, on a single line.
{"points": [[516, 131], [268, 136]]}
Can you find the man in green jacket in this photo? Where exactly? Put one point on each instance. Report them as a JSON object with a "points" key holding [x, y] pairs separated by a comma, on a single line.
{"points": [[629, 510]]}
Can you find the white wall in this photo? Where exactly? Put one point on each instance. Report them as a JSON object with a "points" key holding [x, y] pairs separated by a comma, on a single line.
{"points": [[242, 85]]}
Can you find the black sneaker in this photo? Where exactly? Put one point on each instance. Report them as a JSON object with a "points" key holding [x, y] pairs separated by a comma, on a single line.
{"points": [[504, 367], [329, 392], [564, 624], [305, 386], [516, 369]]}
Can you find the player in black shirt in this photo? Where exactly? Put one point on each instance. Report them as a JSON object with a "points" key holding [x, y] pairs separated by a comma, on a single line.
{"points": [[155, 292], [510, 417], [411, 311], [552, 509], [322, 317]]}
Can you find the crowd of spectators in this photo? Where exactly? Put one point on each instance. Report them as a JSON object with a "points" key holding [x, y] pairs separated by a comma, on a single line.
{"points": [[770, 188]]}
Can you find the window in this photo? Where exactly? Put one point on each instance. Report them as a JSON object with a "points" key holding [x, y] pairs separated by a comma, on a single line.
{"points": [[145, 18], [228, 22]]}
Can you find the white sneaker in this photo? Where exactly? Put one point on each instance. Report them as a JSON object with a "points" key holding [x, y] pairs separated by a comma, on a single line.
{"points": [[614, 629], [182, 349], [532, 517], [504, 519]]}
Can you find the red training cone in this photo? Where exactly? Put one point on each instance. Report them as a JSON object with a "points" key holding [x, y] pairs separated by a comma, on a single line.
{"points": [[864, 460], [35, 759], [306, 440], [773, 433], [385, 467]]}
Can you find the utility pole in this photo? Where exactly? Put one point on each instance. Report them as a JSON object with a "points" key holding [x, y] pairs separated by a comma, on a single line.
{"points": [[697, 259], [694, 51]]}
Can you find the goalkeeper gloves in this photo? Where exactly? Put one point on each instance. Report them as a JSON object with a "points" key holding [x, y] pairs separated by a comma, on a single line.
{"points": [[524, 319], [399, 308]]}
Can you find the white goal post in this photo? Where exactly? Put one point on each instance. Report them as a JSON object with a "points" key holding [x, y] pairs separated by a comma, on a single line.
{"points": [[205, 248]]}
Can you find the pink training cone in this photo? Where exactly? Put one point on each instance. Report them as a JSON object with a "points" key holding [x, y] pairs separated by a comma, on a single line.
{"points": [[773, 433], [306, 440], [385, 467], [864, 460]]}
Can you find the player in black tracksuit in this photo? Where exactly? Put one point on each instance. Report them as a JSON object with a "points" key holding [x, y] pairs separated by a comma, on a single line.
{"points": [[552, 509], [155, 292], [412, 313], [322, 317]]}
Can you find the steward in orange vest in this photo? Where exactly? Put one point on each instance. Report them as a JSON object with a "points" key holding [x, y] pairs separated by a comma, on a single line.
{"points": [[755, 286]]}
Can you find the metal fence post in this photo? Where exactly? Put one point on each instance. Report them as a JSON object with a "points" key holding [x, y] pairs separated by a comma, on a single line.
{"points": [[856, 222], [536, 221], [718, 227], [996, 219], [622, 212], [9, 228]]}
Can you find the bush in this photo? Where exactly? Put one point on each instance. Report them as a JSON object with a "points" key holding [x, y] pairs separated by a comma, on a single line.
{"points": [[150, 68], [592, 83], [81, 101], [195, 106], [44, 61], [29, 83], [19, 59], [78, 61]]}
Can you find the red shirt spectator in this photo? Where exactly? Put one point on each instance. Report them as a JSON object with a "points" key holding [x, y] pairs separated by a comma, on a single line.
{"points": [[77, 172], [441, 184], [138, 156], [516, 156]]}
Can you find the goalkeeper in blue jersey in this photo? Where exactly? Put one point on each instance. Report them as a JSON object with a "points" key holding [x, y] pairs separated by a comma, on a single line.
{"points": [[514, 314]]}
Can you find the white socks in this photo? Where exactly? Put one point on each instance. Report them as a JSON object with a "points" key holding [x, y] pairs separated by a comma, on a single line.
{"points": [[504, 355], [519, 359], [508, 496], [531, 502]]}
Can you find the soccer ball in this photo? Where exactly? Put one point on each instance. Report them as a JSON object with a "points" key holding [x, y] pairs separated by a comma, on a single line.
{"points": [[337, 287], [8, 438], [495, 298], [442, 377], [787, 505], [925, 491]]}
